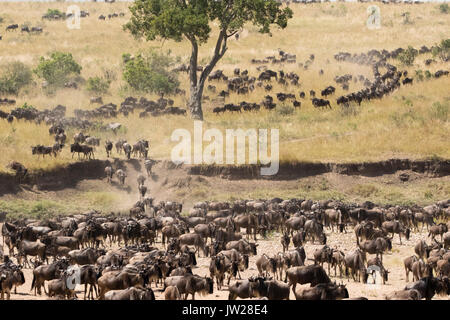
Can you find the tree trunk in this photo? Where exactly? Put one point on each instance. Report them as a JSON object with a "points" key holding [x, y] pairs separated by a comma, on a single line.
{"points": [[195, 103], [197, 85]]}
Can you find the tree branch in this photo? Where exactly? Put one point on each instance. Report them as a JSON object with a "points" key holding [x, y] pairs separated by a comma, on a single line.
{"points": [[219, 52]]}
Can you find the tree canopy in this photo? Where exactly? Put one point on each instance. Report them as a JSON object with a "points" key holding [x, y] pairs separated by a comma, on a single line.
{"points": [[190, 19]]}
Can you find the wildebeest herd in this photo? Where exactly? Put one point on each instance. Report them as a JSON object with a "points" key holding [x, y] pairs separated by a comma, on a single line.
{"points": [[155, 249]]}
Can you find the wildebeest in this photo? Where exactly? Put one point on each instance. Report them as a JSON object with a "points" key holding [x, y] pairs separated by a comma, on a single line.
{"points": [[313, 274], [396, 227], [12, 27], [322, 291], [121, 175], [267, 288], [133, 293], [190, 284]]}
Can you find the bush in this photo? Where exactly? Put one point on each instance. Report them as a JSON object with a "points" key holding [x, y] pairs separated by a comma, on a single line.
{"points": [[54, 14], [150, 73], [97, 85], [444, 8], [442, 51], [285, 110], [58, 69], [440, 111], [408, 56], [14, 77]]}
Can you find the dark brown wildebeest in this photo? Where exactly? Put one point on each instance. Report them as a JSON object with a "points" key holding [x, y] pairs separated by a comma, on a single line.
{"points": [[133, 293], [298, 238], [314, 230], [408, 262], [109, 173], [119, 280], [242, 246], [322, 291], [295, 224], [206, 230], [424, 218], [422, 249], [85, 256], [219, 265], [271, 289], [193, 239], [108, 148], [266, 264], [313, 274], [430, 286], [10, 277], [30, 248], [247, 221], [241, 260], [285, 240], [191, 284], [396, 227], [337, 260], [322, 255], [355, 261], [46, 273], [419, 270], [172, 293], [439, 229], [377, 246], [240, 289], [404, 295]]}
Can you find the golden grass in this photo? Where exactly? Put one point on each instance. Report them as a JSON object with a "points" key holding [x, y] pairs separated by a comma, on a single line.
{"points": [[400, 125]]}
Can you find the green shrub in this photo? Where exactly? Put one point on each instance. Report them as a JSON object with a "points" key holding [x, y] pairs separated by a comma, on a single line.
{"points": [[150, 73], [27, 106], [442, 51], [408, 56], [14, 76], [54, 14], [57, 70], [97, 85], [444, 8], [440, 111], [419, 75]]}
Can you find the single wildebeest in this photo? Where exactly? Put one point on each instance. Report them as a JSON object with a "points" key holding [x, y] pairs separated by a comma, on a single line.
{"points": [[355, 261], [172, 293], [193, 239], [133, 293], [190, 284], [408, 262], [439, 229], [109, 173], [108, 148], [242, 246], [121, 176], [271, 289], [313, 274], [267, 265], [396, 227], [322, 291], [285, 240], [240, 289], [377, 246], [141, 180], [404, 295]]}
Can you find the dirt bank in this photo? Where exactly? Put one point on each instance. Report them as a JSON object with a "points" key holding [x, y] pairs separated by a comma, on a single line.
{"points": [[71, 174]]}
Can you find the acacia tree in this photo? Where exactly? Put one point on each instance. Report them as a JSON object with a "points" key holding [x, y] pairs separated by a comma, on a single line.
{"points": [[190, 20]]}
